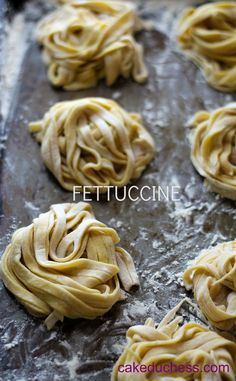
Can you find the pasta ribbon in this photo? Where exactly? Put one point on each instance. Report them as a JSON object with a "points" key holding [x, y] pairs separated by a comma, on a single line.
{"points": [[207, 35], [66, 264], [85, 41], [214, 149], [93, 142], [213, 280], [169, 343]]}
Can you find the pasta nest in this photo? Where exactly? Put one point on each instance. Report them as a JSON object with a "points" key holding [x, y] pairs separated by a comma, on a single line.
{"points": [[66, 264], [213, 280], [214, 149], [207, 35], [190, 344], [86, 41], [93, 142]]}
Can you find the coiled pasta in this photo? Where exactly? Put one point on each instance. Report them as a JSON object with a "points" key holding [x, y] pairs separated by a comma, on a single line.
{"points": [[93, 142], [86, 41], [66, 264], [207, 35], [189, 347], [213, 280], [214, 149]]}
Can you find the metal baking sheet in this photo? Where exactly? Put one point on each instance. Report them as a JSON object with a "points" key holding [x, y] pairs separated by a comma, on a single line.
{"points": [[162, 236]]}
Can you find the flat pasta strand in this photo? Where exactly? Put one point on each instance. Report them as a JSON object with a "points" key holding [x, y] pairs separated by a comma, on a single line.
{"points": [[213, 280], [86, 41], [66, 264], [93, 142], [207, 35], [171, 343], [213, 150]]}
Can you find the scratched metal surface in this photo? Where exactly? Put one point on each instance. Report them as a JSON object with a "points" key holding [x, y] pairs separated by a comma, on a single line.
{"points": [[161, 236]]}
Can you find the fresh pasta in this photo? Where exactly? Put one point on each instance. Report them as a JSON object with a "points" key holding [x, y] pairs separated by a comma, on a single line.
{"points": [[85, 41], [155, 348], [207, 35], [213, 150], [213, 280], [93, 142], [67, 264]]}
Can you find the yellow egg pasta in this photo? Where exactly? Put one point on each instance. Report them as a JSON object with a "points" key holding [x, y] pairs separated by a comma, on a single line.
{"points": [[93, 142], [67, 264], [213, 280], [152, 347], [207, 35], [85, 41], [213, 150]]}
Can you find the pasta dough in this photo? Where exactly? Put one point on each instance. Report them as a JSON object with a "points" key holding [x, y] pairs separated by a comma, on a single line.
{"points": [[66, 263], [169, 343], [86, 41], [93, 142], [207, 35], [213, 280], [214, 149]]}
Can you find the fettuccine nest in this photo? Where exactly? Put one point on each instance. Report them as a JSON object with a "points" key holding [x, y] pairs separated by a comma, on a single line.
{"points": [[66, 264], [207, 35], [214, 148], [93, 142], [189, 345], [213, 280], [86, 41]]}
